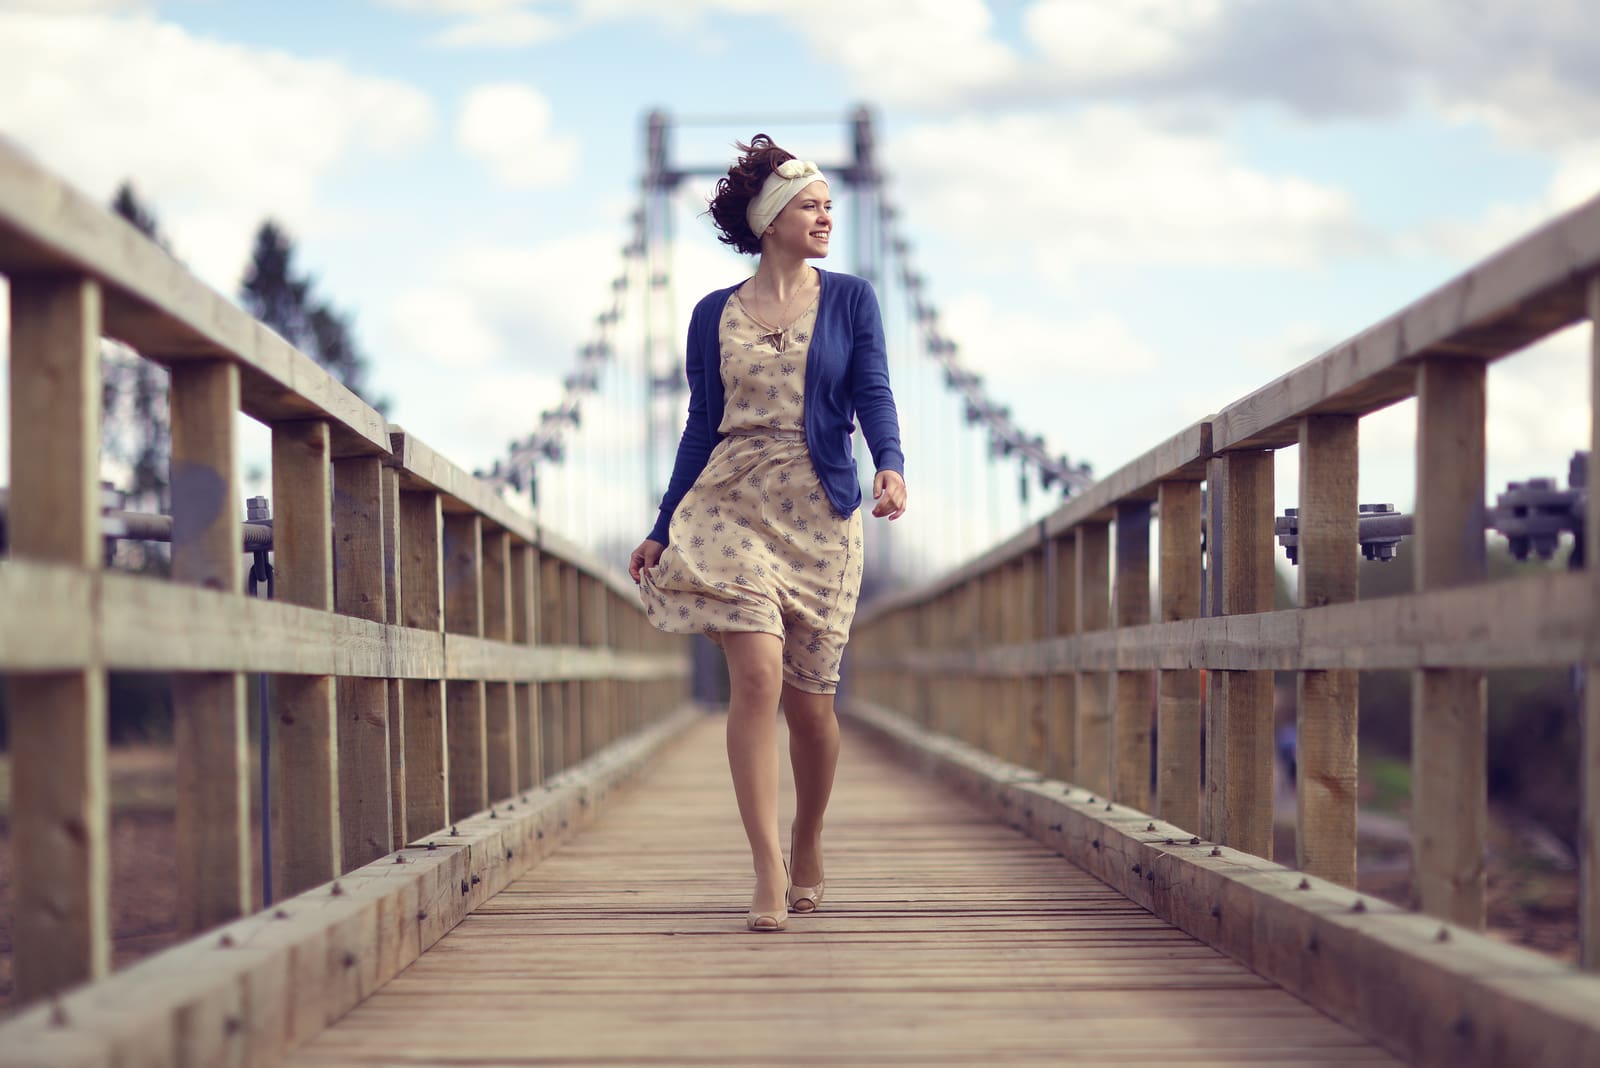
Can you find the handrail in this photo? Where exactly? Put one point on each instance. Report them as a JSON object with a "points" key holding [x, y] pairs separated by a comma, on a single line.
{"points": [[432, 651], [1048, 652]]}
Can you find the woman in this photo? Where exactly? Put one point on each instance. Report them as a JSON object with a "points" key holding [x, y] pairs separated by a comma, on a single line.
{"points": [[758, 542]]}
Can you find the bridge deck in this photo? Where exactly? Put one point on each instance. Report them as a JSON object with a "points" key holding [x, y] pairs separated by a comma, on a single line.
{"points": [[945, 938]]}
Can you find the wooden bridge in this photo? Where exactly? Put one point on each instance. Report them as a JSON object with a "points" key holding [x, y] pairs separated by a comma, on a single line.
{"points": [[501, 836]]}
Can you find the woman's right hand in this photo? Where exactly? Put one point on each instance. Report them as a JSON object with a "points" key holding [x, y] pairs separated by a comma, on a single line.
{"points": [[644, 557]]}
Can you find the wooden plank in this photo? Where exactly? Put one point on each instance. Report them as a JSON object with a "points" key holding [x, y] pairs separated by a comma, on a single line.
{"points": [[1326, 708], [156, 305], [395, 697], [366, 803], [427, 797], [463, 574], [497, 578], [305, 776], [268, 982], [1092, 746], [524, 631], [1449, 709], [57, 720], [423, 469], [1237, 808], [465, 721], [1457, 999], [1134, 691], [210, 728], [1178, 691], [1589, 820], [1063, 605]]}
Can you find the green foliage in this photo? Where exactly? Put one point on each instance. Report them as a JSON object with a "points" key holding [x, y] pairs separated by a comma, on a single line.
{"points": [[278, 294]]}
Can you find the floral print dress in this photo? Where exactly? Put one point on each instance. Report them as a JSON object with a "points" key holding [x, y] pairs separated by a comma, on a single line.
{"points": [[755, 544]]}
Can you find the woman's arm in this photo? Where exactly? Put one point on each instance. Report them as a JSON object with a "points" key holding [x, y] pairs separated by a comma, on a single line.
{"points": [[695, 446], [869, 382]]}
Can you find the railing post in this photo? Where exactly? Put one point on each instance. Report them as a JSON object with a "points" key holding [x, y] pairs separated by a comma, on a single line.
{"points": [[1178, 691], [392, 596], [499, 702], [1325, 718], [1062, 597], [525, 631], [1449, 707], [1238, 792], [365, 803], [1092, 746], [578, 729], [465, 724], [1589, 814], [427, 753], [59, 815], [305, 787], [552, 699], [1133, 690], [210, 719], [1035, 687]]}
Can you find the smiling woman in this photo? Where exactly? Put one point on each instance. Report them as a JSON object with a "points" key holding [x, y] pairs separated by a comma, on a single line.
{"points": [[758, 543]]}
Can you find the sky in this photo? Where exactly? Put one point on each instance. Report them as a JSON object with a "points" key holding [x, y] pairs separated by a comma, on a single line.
{"points": [[1128, 213]]}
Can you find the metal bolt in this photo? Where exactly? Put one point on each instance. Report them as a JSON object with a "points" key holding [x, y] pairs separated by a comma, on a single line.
{"points": [[280, 914], [1216, 851], [508, 854], [454, 833], [399, 858], [1305, 884], [1443, 935], [422, 914], [1216, 912], [226, 941], [1137, 869], [257, 510], [349, 961], [433, 845], [464, 889], [1169, 841], [1108, 806], [493, 814], [1149, 826], [476, 880], [337, 890], [58, 1014], [1359, 906], [1095, 843]]}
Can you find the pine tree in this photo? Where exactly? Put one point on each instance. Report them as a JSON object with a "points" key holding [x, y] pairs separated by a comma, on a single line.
{"points": [[275, 292], [135, 395]]}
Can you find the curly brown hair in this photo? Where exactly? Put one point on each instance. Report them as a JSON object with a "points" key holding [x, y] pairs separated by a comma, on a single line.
{"points": [[727, 206]]}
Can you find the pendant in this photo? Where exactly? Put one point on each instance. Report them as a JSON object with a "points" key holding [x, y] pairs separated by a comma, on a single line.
{"points": [[778, 338]]}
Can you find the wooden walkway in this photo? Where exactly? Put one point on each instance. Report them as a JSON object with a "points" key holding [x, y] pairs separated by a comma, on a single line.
{"points": [[945, 938]]}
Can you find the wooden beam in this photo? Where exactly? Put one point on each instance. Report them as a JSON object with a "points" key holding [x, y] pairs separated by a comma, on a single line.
{"points": [[1237, 809], [1326, 709], [58, 818], [306, 845], [465, 720], [422, 606], [392, 596], [366, 804], [1134, 690], [1092, 747], [1449, 708], [210, 721], [1063, 603], [1178, 692]]}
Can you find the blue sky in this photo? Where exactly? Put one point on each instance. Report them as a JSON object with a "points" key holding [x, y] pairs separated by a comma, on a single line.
{"points": [[1129, 212]]}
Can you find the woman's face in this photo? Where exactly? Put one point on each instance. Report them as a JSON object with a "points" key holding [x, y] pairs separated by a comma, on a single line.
{"points": [[806, 222]]}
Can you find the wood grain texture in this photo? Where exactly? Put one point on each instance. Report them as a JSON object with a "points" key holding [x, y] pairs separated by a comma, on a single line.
{"points": [[1062, 697], [497, 602], [1449, 709], [1134, 691], [1001, 954], [1327, 701], [427, 763], [1460, 999], [1092, 746], [466, 729], [1178, 692], [1237, 807], [463, 574]]}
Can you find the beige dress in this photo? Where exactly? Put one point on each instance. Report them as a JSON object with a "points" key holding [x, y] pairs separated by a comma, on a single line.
{"points": [[755, 544]]}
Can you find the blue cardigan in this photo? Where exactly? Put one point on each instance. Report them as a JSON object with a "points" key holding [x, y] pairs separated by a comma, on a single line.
{"points": [[847, 374]]}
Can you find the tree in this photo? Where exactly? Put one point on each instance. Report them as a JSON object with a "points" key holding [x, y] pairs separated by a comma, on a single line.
{"points": [[275, 292], [135, 411]]}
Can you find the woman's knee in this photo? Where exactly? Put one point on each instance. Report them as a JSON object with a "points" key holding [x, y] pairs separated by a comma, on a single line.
{"points": [[808, 712], [755, 668]]}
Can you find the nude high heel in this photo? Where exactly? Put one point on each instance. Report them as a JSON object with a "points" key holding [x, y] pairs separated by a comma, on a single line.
{"points": [[767, 922], [803, 898]]}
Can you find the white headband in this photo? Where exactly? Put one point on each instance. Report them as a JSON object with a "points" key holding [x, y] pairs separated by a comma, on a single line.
{"points": [[781, 186]]}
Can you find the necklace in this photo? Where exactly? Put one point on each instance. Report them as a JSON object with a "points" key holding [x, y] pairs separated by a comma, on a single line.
{"points": [[777, 335]]}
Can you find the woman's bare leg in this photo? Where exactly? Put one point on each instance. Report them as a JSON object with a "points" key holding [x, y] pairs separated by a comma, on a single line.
{"points": [[814, 755], [755, 677]]}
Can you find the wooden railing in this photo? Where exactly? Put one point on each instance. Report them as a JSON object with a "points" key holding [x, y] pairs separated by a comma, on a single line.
{"points": [[432, 651], [1049, 653]]}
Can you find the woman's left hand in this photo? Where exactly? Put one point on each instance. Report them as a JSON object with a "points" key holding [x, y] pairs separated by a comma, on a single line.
{"points": [[889, 490]]}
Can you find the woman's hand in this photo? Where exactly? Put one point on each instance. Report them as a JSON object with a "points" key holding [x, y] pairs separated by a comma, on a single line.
{"points": [[644, 557], [889, 490]]}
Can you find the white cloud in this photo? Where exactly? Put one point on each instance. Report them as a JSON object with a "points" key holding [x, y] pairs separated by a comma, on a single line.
{"points": [[1106, 186], [216, 136], [443, 327], [1092, 39], [508, 128], [506, 29], [1012, 345]]}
